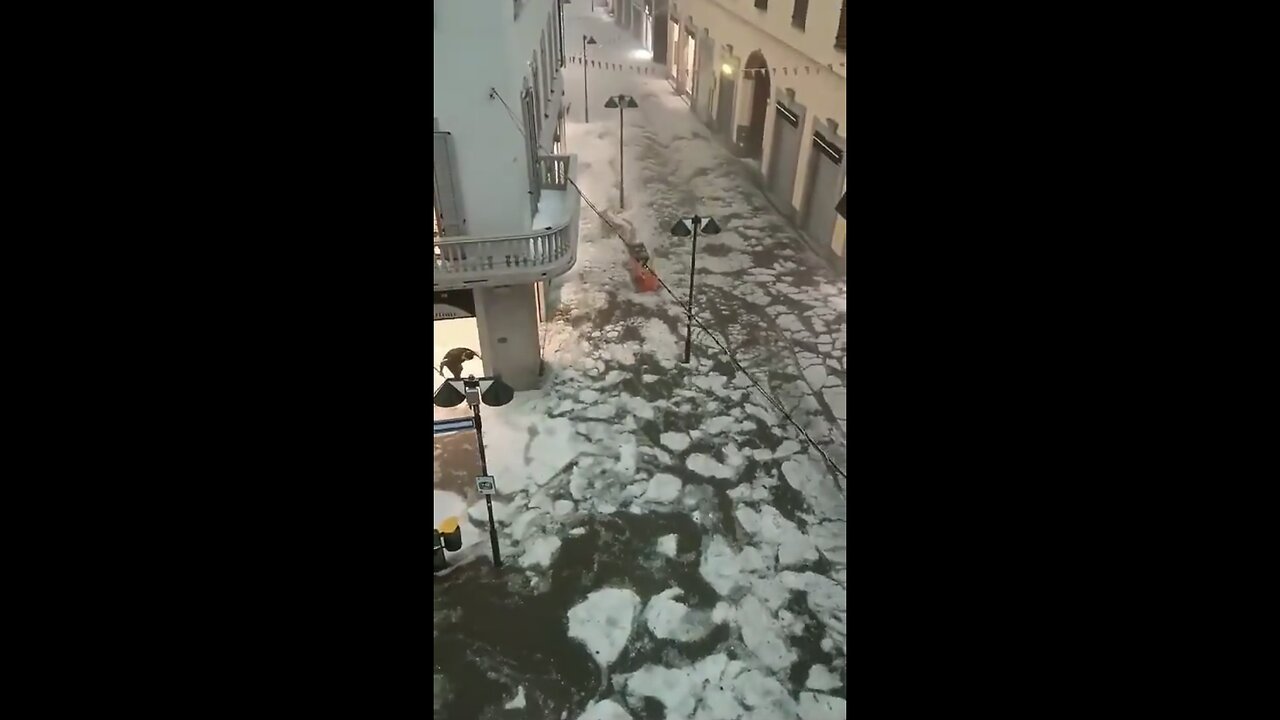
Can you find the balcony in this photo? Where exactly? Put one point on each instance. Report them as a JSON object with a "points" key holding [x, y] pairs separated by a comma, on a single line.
{"points": [[547, 250]]}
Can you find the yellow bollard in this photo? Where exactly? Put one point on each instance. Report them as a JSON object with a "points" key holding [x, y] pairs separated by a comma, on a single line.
{"points": [[451, 532]]}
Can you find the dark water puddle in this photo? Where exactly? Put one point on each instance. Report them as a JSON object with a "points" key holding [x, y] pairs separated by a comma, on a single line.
{"points": [[490, 639]]}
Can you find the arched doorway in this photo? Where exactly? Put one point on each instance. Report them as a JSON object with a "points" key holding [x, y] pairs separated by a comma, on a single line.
{"points": [[757, 72]]}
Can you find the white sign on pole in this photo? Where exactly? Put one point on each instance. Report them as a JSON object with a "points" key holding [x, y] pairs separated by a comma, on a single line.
{"points": [[484, 484]]}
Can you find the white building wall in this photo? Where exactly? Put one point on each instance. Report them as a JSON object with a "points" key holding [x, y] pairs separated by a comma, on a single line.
{"points": [[821, 89], [479, 45]]}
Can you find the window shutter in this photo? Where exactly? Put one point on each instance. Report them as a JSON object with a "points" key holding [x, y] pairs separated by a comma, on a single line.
{"points": [[448, 193], [531, 144], [799, 13], [840, 41]]}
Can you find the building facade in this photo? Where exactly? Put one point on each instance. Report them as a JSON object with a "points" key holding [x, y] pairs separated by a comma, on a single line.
{"points": [[769, 78], [647, 22], [505, 218]]}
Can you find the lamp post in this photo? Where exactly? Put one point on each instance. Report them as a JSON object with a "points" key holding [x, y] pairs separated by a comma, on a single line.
{"points": [[496, 395], [586, 104], [622, 102], [681, 229]]}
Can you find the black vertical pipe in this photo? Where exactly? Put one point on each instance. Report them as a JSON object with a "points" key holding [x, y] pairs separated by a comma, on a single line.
{"points": [[586, 104], [488, 499], [622, 203], [693, 262]]}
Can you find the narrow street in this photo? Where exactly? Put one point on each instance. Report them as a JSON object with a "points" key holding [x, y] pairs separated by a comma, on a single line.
{"points": [[672, 546]]}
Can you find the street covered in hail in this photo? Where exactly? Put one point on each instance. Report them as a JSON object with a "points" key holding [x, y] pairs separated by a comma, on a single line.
{"points": [[672, 546]]}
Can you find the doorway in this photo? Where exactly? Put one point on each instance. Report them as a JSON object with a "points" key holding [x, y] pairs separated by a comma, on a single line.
{"points": [[673, 45], [724, 110], [826, 182], [757, 71], [784, 154], [690, 55]]}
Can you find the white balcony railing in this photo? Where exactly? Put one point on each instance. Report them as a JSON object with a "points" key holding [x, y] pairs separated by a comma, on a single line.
{"points": [[538, 254]]}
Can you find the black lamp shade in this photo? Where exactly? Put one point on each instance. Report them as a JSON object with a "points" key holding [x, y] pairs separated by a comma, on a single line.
{"points": [[840, 207], [497, 394], [448, 396], [681, 229], [711, 228], [631, 102], [591, 40], [611, 103]]}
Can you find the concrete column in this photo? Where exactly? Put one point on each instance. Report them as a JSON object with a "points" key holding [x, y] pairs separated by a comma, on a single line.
{"points": [[507, 318]]}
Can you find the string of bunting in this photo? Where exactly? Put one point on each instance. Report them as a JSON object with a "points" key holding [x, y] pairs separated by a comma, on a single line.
{"points": [[662, 69]]}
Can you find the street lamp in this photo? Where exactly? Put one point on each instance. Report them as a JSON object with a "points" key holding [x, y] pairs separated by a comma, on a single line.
{"points": [[622, 102], [681, 229], [496, 395], [586, 104]]}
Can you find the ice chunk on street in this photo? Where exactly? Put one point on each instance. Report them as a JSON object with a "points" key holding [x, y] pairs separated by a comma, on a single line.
{"points": [[675, 441], [820, 678], [762, 635], [605, 710], [539, 551], [669, 619], [819, 488], [663, 488], [835, 397], [816, 706], [667, 545], [603, 622], [708, 466], [720, 566], [518, 702], [788, 447], [678, 689]]}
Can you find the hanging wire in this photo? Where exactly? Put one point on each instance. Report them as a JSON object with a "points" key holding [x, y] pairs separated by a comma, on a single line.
{"points": [[689, 313]]}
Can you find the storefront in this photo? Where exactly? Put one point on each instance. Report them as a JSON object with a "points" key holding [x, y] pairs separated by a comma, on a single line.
{"points": [[646, 38], [673, 47], [688, 79]]}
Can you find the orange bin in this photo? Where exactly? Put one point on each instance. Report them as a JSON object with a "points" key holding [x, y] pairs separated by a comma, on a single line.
{"points": [[644, 280]]}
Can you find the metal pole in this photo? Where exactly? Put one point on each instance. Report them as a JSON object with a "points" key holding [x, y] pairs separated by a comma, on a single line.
{"points": [[693, 262], [622, 204], [488, 499], [586, 104]]}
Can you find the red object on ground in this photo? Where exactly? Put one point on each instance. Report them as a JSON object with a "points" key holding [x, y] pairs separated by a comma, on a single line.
{"points": [[644, 280]]}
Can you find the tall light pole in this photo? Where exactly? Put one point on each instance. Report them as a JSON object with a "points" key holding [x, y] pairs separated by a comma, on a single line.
{"points": [[681, 229], [586, 104], [496, 395], [622, 102]]}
